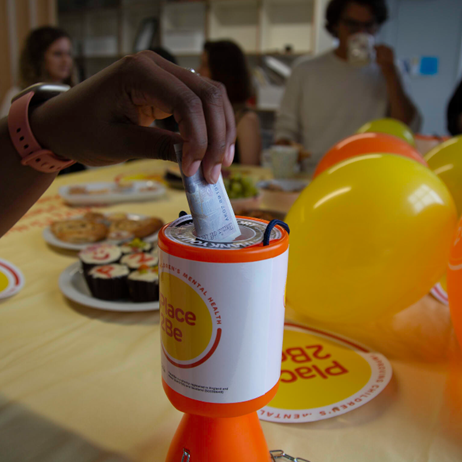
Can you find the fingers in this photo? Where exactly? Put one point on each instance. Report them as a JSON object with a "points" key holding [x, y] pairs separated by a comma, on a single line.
{"points": [[151, 85], [219, 120], [141, 142]]}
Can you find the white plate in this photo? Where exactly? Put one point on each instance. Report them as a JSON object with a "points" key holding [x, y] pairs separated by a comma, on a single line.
{"points": [[114, 196], [73, 285], [15, 278], [51, 239]]}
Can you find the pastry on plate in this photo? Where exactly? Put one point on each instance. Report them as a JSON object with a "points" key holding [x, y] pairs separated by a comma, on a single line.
{"points": [[95, 216], [128, 229], [99, 254], [77, 190], [108, 282], [136, 245], [79, 231], [138, 259], [116, 216], [143, 284]]}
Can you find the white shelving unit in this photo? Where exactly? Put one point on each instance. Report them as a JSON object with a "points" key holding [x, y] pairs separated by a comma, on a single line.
{"points": [[287, 23], [258, 26], [237, 20], [183, 27]]}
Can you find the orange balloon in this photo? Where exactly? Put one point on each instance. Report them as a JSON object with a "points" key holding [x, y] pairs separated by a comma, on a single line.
{"points": [[367, 143], [455, 283]]}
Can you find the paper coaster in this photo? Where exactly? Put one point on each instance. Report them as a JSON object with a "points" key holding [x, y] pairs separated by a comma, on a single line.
{"points": [[440, 291], [11, 279], [324, 375]]}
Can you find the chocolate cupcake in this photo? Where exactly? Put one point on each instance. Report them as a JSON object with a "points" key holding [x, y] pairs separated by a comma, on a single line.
{"points": [[143, 284], [108, 282], [99, 254], [135, 260], [136, 245]]}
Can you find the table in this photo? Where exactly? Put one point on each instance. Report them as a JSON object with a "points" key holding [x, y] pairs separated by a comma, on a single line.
{"points": [[79, 384]]}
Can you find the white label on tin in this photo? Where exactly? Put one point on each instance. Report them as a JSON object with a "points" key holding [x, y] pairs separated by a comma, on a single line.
{"points": [[221, 327]]}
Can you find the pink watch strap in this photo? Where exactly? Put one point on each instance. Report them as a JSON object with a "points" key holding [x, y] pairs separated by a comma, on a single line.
{"points": [[32, 154]]}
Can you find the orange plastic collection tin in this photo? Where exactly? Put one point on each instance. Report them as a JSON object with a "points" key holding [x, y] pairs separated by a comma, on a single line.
{"points": [[222, 322]]}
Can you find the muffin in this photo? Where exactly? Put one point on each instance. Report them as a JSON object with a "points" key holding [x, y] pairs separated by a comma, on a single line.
{"points": [[99, 254], [108, 282], [135, 260], [143, 284], [136, 245]]}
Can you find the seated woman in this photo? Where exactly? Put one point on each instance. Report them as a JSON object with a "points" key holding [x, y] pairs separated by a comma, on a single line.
{"points": [[223, 61], [46, 57]]}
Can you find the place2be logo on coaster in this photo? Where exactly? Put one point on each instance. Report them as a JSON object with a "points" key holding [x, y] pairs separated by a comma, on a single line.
{"points": [[324, 375], [189, 322]]}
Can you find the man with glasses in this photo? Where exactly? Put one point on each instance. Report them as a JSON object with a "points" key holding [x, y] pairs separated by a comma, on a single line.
{"points": [[328, 98]]}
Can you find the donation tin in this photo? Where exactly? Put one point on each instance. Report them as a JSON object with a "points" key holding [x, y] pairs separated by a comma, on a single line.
{"points": [[222, 317]]}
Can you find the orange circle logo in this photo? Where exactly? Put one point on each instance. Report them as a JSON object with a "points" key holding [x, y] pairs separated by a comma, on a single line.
{"points": [[186, 323]]}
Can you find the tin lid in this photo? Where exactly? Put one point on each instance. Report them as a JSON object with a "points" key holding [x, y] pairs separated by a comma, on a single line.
{"points": [[178, 238]]}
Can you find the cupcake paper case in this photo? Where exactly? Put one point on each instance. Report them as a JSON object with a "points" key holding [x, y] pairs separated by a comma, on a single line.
{"points": [[143, 284], [108, 282]]}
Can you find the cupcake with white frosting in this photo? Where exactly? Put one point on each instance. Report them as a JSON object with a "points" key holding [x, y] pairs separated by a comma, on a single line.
{"points": [[135, 260], [108, 282], [99, 254], [143, 284], [136, 245]]}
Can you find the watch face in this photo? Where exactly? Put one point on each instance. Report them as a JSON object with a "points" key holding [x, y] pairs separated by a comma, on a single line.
{"points": [[43, 91]]}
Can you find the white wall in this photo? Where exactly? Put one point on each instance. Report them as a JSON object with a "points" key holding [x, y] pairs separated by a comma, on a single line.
{"points": [[429, 28]]}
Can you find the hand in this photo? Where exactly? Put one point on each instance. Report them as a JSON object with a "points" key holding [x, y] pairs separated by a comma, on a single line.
{"points": [[385, 58], [105, 119], [302, 153]]}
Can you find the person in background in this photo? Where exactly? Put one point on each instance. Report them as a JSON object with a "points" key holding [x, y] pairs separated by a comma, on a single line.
{"points": [[223, 61], [327, 98], [454, 112], [107, 120], [46, 57]]}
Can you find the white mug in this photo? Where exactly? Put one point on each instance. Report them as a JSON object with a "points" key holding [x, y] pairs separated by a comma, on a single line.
{"points": [[361, 50], [283, 161]]}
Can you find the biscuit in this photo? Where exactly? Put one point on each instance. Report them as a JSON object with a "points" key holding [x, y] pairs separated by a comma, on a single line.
{"points": [[129, 229], [79, 231]]}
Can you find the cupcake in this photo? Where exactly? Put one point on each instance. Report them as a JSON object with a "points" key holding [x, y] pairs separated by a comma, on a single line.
{"points": [[136, 245], [108, 282], [99, 254], [143, 284], [135, 260]]}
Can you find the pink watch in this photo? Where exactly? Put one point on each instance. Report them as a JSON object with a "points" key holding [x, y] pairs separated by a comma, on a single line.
{"points": [[32, 154]]}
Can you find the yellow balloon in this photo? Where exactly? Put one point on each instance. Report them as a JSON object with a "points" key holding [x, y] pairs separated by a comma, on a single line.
{"points": [[391, 127], [446, 161], [369, 237]]}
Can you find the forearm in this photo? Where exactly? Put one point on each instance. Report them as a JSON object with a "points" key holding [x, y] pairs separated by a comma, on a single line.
{"points": [[401, 107], [20, 186]]}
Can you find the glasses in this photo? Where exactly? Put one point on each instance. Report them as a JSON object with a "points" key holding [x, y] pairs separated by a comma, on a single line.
{"points": [[359, 26]]}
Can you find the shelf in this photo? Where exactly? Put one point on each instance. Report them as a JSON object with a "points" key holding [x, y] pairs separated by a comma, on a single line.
{"points": [[287, 23], [237, 20], [183, 27]]}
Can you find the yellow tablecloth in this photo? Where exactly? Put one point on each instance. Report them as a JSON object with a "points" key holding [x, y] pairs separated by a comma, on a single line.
{"points": [[79, 384]]}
